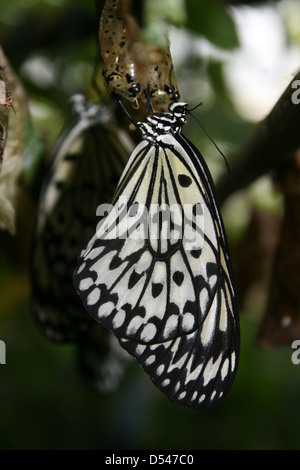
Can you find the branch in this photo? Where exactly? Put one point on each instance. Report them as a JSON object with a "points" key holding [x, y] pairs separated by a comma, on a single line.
{"points": [[281, 322], [271, 142]]}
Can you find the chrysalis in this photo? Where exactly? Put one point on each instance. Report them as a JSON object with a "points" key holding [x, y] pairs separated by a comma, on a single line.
{"points": [[132, 69]]}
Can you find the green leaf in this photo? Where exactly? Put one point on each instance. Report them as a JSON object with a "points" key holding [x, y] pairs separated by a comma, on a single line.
{"points": [[212, 20], [158, 13]]}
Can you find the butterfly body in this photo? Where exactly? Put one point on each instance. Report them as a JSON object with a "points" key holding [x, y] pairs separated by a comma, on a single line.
{"points": [[158, 272]]}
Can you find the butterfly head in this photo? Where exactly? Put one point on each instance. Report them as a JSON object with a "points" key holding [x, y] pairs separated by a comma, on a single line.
{"points": [[178, 109], [179, 112], [164, 123]]}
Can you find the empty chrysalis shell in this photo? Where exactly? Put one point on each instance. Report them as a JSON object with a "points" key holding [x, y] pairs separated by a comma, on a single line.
{"points": [[132, 69]]}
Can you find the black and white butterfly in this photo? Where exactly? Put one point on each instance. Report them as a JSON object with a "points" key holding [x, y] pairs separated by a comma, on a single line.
{"points": [[85, 169], [164, 285]]}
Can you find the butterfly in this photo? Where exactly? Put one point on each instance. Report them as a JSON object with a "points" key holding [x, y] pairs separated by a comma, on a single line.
{"points": [[85, 168], [167, 292]]}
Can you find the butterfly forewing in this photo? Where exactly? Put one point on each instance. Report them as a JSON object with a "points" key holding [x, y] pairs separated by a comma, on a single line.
{"points": [[166, 288]]}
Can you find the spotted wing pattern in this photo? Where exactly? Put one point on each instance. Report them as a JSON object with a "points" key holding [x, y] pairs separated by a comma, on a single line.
{"points": [[84, 170], [162, 284]]}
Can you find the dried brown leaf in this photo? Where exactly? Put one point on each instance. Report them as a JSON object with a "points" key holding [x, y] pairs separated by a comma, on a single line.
{"points": [[13, 128]]}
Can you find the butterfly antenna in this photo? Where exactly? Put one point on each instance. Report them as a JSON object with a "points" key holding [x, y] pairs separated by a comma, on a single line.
{"points": [[124, 109], [149, 104], [210, 138], [195, 107]]}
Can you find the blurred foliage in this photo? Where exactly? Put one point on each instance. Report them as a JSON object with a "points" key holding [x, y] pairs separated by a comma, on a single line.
{"points": [[156, 13], [45, 404], [212, 20]]}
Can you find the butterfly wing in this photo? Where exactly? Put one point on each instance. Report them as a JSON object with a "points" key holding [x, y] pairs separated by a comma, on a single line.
{"points": [[197, 369], [167, 296], [85, 169], [78, 179]]}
